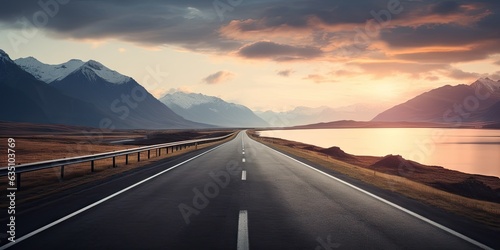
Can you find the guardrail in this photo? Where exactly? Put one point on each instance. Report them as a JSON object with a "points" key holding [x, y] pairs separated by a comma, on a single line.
{"points": [[29, 167]]}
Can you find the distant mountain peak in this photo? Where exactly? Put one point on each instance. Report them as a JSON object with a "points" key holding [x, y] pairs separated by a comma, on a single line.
{"points": [[211, 110], [93, 69], [46, 72], [50, 73], [188, 100], [486, 82], [94, 65], [4, 56], [2, 53]]}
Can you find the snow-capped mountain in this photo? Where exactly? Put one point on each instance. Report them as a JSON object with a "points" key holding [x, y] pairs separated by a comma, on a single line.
{"points": [[122, 96], [31, 100], [211, 110], [93, 70], [308, 115], [489, 84], [4, 57], [119, 99], [50, 73], [477, 102], [45, 72], [186, 101]]}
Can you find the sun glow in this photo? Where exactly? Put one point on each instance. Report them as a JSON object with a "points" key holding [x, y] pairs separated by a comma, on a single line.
{"points": [[384, 91]]}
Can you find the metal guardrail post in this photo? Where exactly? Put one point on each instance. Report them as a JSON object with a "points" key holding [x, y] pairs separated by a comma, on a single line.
{"points": [[138, 156], [114, 162], [126, 159], [62, 172], [149, 154], [92, 166]]}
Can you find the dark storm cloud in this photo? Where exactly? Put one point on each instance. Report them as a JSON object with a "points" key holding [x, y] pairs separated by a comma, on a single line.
{"points": [[196, 25], [278, 52], [446, 7], [190, 24]]}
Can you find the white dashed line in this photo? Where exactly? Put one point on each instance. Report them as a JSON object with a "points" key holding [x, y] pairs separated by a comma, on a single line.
{"points": [[243, 231], [243, 160], [244, 175]]}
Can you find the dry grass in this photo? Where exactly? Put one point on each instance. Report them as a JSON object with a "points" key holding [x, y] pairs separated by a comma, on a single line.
{"points": [[481, 211], [39, 184]]}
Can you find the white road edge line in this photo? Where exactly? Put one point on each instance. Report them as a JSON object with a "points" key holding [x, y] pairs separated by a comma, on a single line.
{"points": [[24, 237], [243, 231], [422, 218], [244, 175]]}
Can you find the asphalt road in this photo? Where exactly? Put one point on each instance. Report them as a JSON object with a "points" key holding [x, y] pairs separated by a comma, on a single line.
{"points": [[239, 195]]}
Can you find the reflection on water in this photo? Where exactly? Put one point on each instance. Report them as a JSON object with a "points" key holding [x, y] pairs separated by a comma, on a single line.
{"points": [[474, 151]]}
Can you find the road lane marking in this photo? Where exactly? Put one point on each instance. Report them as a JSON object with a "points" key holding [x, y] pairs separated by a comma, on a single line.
{"points": [[243, 231], [420, 217], [243, 152], [102, 200], [244, 175], [243, 160]]}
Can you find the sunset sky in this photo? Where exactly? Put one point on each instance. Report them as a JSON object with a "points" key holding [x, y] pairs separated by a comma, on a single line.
{"points": [[273, 54]]}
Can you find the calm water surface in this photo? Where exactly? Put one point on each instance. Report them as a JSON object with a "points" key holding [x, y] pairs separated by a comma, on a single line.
{"points": [[474, 151]]}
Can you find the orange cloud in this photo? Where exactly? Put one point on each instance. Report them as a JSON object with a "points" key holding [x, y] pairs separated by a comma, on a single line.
{"points": [[218, 77]]}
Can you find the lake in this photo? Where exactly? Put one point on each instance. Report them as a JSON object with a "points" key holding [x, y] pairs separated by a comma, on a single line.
{"points": [[475, 151]]}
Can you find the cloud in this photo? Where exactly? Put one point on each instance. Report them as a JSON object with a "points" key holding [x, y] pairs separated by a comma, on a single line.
{"points": [[218, 77], [462, 75], [285, 73], [343, 72], [432, 78], [385, 69], [278, 52], [497, 62], [446, 7], [452, 54], [150, 23], [280, 30], [317, 78]]}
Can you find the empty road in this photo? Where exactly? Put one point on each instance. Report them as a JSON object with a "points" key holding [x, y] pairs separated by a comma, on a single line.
{"points": [[239, 195]]}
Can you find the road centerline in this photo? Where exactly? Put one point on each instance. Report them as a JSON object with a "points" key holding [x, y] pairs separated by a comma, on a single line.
{"points": [[244, 175], [243, 231]]}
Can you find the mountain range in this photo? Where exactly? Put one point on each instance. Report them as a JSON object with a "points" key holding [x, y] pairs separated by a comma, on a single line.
{"points": [[308, 115], [26, 99], [478, 102], [90, 94], [211, 110], [81, 93]]}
